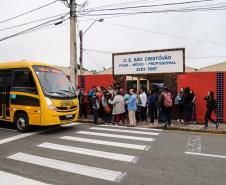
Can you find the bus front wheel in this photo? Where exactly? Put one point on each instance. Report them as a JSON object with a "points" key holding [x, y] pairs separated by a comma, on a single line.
{"points": [[21, 121]]}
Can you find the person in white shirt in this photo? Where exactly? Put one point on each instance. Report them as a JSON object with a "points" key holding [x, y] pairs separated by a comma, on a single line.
{"points": [[143, 105]]}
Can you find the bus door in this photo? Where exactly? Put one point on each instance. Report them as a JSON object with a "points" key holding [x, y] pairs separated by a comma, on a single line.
{"points": [[5, 85]]}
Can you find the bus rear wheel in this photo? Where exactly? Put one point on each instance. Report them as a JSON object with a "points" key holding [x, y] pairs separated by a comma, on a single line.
{"points": [[21, 121]]}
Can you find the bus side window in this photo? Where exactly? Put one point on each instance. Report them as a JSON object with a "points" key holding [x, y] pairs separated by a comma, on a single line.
{"points": [[23, 80]]}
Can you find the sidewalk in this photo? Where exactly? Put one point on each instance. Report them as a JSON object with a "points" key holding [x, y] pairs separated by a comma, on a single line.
{"points": [[175, 126]]}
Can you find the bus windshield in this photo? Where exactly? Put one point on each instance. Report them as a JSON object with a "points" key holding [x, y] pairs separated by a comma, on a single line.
{"points": [[54, 82]]}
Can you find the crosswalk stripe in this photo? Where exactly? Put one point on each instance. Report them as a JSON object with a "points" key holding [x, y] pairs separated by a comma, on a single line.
{"points": [[116, 136], [108, 143], [133, 128], [90, 152], [125, 131], [11, 179], [206, 155], [89, 171], [19, 136]]}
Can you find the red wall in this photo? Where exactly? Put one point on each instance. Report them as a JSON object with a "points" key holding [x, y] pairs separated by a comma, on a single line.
{"points": [[200, 83], [98, 80]]}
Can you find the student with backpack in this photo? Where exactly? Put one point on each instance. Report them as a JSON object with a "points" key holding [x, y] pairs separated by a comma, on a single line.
{"points": [[107, 117], [211, 106], [152, 106], [167, 106]]}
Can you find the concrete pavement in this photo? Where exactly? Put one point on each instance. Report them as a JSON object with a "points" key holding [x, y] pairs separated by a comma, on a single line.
{"points": [[104, 155]]}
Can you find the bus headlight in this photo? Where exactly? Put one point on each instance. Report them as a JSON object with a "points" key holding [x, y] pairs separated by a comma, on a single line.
{"points": [[50, 104]]}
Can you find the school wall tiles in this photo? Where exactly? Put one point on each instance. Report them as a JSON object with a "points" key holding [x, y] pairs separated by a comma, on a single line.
{"points": [[224, 96]]}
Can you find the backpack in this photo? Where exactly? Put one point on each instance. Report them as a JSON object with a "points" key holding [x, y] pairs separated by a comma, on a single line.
{"points": [[168, 102], [107, 109]]}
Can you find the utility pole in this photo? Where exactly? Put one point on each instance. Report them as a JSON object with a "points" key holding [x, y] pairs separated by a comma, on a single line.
{"points": [[73, 45], [81, 52]]}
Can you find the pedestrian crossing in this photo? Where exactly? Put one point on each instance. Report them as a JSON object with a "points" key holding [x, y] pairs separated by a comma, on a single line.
{"points": [[126, 145], [125, 131], [116, 136], [108, 143], [84, 151]]}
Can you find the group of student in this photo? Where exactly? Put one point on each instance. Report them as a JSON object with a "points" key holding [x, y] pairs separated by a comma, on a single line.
{"points": [[185, 103], [114, 106]]}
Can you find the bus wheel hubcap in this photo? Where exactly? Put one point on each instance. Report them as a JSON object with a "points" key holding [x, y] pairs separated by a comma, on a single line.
{"points": [[21, 123]]}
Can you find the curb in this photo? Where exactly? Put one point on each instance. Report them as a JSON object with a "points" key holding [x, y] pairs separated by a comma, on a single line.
{"points": [[176, 128], [197, 130], [85, 121]]}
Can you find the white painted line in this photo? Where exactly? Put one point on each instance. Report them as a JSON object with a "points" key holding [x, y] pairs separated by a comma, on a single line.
{"points": [[133, 128], [206, 155], [11, 179], [89, 171], [108, 143], [194, 144], [90, 152], [125, 131], [116, 136], [70, 124], [20, 136]]}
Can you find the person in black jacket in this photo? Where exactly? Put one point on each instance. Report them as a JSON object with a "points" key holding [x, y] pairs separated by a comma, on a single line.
{"points": [[152, 107], [187, 105], [211, 106]]}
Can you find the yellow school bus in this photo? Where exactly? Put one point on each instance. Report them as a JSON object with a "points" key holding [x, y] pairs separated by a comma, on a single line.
{"points": [[33, 93]]}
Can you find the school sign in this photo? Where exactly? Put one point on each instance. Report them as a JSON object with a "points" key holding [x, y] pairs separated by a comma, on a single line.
{"points": [[149, 62]]}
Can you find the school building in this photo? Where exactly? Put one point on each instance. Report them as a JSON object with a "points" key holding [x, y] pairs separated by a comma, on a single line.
{"points": [[199, 80]]}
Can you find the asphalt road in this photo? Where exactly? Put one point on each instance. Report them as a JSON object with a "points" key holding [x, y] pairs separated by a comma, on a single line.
{"points": [[86, 154]]}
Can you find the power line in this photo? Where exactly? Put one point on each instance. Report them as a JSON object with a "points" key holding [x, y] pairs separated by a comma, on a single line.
{"points": [[30, 11], [92, 59], [148, 6], [31, 22], [165, 34], [98, 51], [126, 3], [110, 12], [48, 23], [183, 10], [188, 56], [124, 14]]}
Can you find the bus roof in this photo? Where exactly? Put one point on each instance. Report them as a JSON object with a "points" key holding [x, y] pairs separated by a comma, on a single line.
{"points": [[21, 64]]}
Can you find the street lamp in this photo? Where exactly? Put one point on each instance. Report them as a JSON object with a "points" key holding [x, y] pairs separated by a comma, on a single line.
{"points": [[81, 34]]}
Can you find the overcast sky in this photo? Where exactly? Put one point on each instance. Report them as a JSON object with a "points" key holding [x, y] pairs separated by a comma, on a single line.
{"points": [[51, 45]]}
